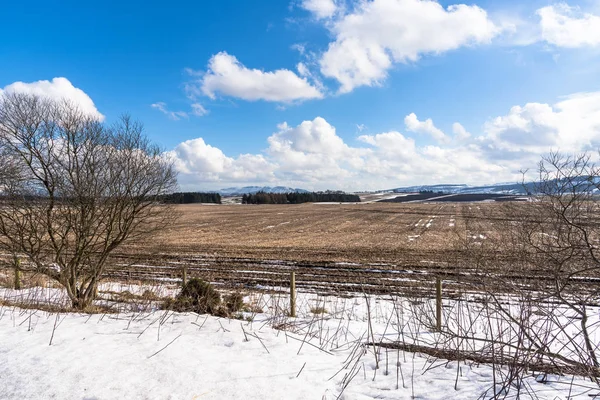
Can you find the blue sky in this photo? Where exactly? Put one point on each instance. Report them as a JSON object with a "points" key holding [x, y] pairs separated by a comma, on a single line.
{"points": [[340, 94]]}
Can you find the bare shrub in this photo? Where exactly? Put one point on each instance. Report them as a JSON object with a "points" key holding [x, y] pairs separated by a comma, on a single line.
{"points": [[75, 190], [539, 281]]}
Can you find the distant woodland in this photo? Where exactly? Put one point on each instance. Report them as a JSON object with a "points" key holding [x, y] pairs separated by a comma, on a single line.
{"points": [[191, 197], [297, 198]]}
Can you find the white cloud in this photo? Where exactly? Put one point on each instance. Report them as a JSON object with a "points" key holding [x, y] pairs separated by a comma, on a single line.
{"points": [[312, 151], [320, 8], [398, 160], [196, 109], [427, 127], [56, 89], [200, 164], [227, 76], [316, 136], [313, 155], [566, 26], [460, 132], [379, 33], [174, 115], [391, 143], [571, 125], [302, 69], [299, 47]]}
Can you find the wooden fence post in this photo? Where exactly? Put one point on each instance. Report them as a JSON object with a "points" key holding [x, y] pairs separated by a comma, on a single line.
{"points": [[293, 295], [184, 276], [438, 304]]}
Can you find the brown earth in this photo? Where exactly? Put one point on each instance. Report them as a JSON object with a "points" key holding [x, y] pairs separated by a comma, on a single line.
{"points": [[376, 232], [376, 247], [333, 247]]}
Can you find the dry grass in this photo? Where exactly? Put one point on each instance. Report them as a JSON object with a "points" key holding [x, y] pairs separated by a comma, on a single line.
{"points": [[28, 279], [53, 308], [337, 232], [250, 246], [318, 310]]}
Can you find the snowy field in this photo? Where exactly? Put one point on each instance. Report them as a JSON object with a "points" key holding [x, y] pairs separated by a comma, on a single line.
{"points": [[142, 352]]}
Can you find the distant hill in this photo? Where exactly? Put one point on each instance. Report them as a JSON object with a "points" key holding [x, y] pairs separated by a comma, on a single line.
{"points": [[500, 188], [516, 189], [582, 184], [238, 191]]}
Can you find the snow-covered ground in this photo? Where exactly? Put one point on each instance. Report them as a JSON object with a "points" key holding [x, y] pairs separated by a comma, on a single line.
{"points": [[176, 356], [156, 354]]}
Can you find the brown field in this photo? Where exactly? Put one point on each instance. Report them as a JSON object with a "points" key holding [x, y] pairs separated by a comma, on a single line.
{"points": [[376, 232], [341, 247], [367, 247]]}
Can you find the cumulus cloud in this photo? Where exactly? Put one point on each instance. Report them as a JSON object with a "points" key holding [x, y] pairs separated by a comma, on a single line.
{"points": [[460, 132], [320, 8], [566, 26], [227, 76], [378, 33], [427, 127], [571, 125], [313, 155], [312, 151], [200, 164], [398, 160], [56, 89], [392, 143], [316, 136]]}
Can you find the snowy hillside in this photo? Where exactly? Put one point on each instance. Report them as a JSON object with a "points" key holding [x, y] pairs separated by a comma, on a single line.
{"points": [[504, 188], [515, 188]]}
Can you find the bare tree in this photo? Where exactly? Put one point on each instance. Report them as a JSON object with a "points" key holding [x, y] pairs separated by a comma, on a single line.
{"points": [[563, 237], [530, 292], [9, 169], [548, 292], [79, 190]]}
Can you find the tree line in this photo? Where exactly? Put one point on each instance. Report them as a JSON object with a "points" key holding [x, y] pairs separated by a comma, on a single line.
{"points": [[191, 197], [297, 198]]}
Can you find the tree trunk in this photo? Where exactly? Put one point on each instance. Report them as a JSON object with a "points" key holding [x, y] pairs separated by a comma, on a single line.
{"points": [[84, 296], [17, 273], [82, 302]]}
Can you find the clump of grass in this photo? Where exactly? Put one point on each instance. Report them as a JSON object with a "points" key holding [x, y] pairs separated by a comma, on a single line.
{"points": [[198, 296], [37, 280], [318, 310], [150, 295], [8, 279], [253, 308], [126, 295], [56, 308], [234, 302]]}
